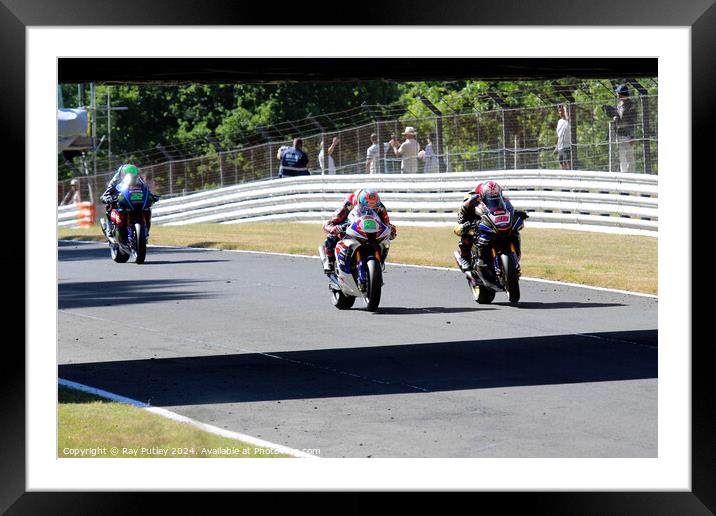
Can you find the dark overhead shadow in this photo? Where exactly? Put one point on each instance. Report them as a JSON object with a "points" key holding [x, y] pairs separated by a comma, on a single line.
{"points": [[365, 371], [126, 292], [398, 310]]}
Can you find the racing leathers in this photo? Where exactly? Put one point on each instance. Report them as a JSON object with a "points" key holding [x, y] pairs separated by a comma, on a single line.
{"points": [[336, 226], [471, 211], [110, 196]]}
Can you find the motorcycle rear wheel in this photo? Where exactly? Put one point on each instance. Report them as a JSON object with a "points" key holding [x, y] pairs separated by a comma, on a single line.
{"points": [[485, 295], [342, 301], [117, 254]]}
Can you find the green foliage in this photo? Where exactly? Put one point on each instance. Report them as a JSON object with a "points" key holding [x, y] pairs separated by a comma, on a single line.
{"points": [[182, 117]]}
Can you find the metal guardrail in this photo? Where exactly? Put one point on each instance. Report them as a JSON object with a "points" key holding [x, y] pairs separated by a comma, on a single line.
{"points": [[610, 202]]}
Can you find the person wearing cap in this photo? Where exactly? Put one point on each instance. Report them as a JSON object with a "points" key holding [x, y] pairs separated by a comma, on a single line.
{"points": [[625, 121], [73, 195], [408, 151]]}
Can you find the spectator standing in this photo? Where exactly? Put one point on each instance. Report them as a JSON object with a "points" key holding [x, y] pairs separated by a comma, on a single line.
{"points": [[73, 195], [372, 155], [294, 161], [625, 121], [408, 151], [429, 156], [322, 159], [564, 140], [279, 154]]}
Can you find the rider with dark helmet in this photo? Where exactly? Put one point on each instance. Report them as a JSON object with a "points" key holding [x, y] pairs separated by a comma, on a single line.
{"points": [[336, 225], [484, 197], [111, 194]]}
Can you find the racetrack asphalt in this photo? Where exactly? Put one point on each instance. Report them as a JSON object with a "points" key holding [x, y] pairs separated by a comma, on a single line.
{"points": [[251, 343]]}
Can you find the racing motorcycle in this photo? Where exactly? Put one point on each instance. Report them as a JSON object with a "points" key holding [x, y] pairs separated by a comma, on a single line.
{"points": [[130, 214], [360, 260], [498, 230]]}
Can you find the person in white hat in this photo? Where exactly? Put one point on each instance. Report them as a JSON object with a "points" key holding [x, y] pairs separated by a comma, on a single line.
{"points": [[408, 151]]}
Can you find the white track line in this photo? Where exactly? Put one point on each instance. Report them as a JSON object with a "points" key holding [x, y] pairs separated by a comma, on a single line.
{"points": [[183, 419], [432, 267]]}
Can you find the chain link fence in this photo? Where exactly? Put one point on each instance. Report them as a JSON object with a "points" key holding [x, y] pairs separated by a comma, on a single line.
{"points": [[501, 139]]}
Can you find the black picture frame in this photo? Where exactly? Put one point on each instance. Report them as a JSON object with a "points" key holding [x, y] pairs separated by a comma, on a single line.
{"points": [[16, 15]]}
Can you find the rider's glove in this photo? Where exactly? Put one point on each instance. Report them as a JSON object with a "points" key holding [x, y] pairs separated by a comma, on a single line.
{"points": [[393, 232], [336, 230], [468, 227], [522, 214]]}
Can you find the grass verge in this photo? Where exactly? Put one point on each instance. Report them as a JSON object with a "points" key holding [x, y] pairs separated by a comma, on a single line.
{"points": [[623, 262], [90, 426]]}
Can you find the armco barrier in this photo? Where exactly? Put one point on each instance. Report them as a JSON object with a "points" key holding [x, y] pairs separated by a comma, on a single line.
{"points": [[600, 201]]}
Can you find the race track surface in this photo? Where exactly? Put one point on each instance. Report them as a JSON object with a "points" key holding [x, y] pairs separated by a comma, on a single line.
{"points": [[252, 343]]}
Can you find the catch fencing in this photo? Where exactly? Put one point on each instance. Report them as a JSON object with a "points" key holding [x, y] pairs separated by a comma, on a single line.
{"points": [[503, 139]]}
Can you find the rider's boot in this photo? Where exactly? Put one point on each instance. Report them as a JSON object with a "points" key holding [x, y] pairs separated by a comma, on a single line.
{"points": [[480, 254], [462, 262], [329, 262], [462, 255]]}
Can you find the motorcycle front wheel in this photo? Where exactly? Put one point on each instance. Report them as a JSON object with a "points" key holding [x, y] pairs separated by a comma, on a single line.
{"points": [[375, 283], [140, 234], [512, 281]]}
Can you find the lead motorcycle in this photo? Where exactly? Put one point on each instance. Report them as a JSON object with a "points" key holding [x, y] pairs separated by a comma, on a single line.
{"points": [[498, 230], [360, 258], [130, 215]]}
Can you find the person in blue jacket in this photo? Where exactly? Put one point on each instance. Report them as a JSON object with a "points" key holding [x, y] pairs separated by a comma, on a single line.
{"points": [[294, 161]]}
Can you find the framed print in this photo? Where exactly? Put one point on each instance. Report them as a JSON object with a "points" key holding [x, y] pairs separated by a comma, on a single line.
{"points": [[184, 44]]}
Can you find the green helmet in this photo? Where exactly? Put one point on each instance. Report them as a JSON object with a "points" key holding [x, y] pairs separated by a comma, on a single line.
{"points": [[130, 169]]}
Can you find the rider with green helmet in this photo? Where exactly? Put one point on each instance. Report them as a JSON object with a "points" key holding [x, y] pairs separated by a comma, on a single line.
{"points": [[111, 194]]}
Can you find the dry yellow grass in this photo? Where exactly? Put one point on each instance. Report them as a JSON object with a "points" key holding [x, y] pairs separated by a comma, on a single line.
{"points": [[598, 259], [96, 427]]}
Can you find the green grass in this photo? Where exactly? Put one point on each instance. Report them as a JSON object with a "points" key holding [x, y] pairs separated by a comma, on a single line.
{"points": [[99, 427], [605, 260]]}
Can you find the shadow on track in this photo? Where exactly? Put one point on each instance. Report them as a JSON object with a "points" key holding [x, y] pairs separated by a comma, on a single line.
{"points": [[171, 262], [536, 305], [71, 251], [366, 371], [398, 310], [125, 292]]}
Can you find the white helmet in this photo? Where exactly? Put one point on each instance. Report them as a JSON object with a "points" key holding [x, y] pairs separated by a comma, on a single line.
{"points": [[492, 195]]}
